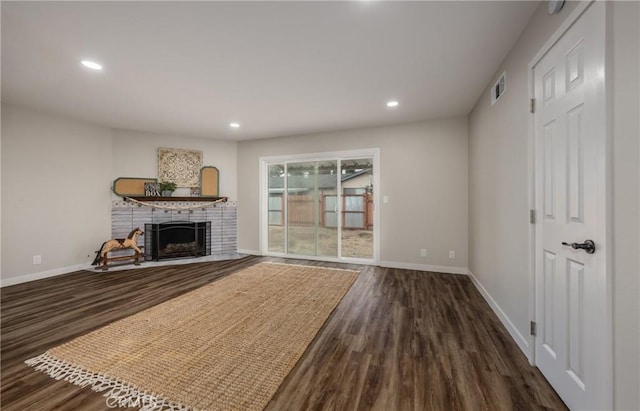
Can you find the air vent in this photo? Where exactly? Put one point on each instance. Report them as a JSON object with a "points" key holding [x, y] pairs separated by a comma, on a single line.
{"points": [[498, 89]]}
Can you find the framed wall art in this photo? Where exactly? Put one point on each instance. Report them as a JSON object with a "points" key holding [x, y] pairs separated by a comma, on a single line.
{"points": [[179, 166], [209, 181]]}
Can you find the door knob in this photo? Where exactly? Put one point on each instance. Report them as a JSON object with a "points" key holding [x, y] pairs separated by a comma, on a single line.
{"points": [[589, 246]]}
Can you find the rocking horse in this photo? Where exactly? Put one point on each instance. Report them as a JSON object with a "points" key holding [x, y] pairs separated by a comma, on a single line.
{"points": [[119, 244]]}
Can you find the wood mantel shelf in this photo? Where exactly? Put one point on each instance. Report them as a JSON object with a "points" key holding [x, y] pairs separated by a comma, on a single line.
{"points": [[200, 199]]}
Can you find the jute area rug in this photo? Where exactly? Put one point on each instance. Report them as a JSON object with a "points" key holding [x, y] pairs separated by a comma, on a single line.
{"points": [[225, 346]]}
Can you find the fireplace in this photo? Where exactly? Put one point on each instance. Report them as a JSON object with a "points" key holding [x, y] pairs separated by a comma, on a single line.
{"points": [[177, 239]]}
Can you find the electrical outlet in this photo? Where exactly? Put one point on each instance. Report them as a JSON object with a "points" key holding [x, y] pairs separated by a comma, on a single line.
{"points": [[423, 252], [37, 259], [452, 254]]}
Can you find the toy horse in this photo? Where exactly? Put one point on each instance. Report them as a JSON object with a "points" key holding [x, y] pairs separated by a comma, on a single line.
{"points": [[119, 244]]}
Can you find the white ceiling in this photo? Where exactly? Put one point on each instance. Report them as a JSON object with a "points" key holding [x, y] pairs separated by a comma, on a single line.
{"points": [[277, 68]]}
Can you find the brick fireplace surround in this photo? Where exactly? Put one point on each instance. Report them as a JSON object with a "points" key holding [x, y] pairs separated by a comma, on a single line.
{"points": [[126, 215]]}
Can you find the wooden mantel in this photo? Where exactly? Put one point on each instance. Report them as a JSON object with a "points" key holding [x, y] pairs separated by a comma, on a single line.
{"points": [[200, 199]]}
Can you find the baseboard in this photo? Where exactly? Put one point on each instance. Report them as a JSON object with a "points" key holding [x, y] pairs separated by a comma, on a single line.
{"points": [[5, 282], [425, 267], [517, 336], [250, 252]]}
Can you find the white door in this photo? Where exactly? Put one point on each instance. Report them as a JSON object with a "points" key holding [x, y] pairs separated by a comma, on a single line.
{"points": [[572, 289]]}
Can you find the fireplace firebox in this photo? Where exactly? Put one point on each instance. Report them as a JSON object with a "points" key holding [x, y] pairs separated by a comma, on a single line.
{"points": [[177, 239]]}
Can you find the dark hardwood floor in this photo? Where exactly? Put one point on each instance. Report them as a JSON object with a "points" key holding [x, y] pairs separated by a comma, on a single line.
{"points": [[399, 340]]}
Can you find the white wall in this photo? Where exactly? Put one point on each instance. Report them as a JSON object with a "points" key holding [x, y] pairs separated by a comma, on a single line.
{"points": [[423, 169], [498, 179], [55, 198], [498, 184], [0, 197], [135, 154], [624, 43], [57, 175]]}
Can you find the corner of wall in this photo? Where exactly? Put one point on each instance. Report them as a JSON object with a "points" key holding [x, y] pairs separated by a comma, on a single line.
{"points": [[525, 345]]}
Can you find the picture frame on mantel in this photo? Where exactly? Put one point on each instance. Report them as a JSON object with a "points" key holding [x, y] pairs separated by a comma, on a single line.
{"points": [[131, 186], [209, 182]]}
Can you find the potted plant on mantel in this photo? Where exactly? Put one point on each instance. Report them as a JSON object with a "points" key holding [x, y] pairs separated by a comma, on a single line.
{"points": [[167, 188]]}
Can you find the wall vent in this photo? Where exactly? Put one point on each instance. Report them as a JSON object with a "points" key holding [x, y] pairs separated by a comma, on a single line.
{"points": [[498, 88]]}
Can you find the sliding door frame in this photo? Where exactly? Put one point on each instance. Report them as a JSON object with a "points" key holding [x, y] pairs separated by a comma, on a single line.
{"points": [[265, 162]]}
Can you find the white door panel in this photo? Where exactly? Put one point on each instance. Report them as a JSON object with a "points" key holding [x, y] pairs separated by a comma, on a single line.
{"points": [[570, 149]]}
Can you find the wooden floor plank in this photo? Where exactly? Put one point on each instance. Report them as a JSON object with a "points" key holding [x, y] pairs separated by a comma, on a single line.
{"points": [[399, 340]]}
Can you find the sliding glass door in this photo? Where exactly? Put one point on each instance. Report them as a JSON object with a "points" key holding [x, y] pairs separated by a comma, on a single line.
{"points": [[307, 231], [275, 208], [357, 208], [320, 208]]}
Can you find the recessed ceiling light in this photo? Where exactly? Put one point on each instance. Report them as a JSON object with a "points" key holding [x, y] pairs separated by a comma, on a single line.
{"points": [[91, 64], [234, 125], [392, 103]]}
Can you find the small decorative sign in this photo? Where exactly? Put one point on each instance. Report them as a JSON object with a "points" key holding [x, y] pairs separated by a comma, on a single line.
{"points": [[152, 189]]}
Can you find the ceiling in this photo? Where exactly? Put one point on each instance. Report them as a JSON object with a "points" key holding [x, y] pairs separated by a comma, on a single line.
{"points": [[277, 68]]}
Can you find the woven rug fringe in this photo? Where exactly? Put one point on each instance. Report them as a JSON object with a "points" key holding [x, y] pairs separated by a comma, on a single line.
{"points": [[119, 394]]}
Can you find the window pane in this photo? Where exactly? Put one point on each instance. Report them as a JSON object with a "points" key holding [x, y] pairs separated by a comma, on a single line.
{"points": [[275, 218], [310, 228], [275, 202], [353, 203], [276, 188], [357, 235], [354, 220], [331, 220]]}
